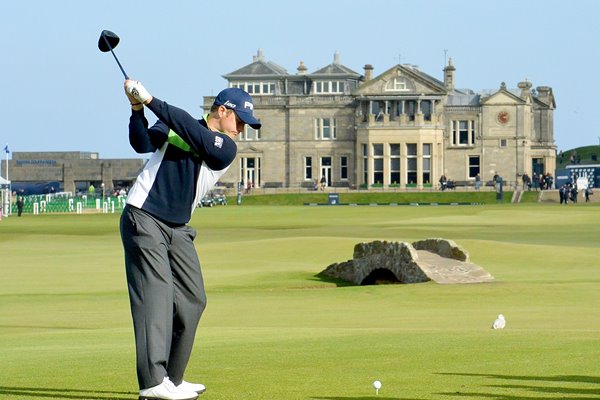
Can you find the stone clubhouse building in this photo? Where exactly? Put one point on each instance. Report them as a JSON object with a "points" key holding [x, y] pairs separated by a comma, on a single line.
{"points": [[400, 129]]}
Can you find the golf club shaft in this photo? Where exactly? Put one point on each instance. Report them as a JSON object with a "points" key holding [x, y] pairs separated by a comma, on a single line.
{"points": [[115, 56], [120, 66]]}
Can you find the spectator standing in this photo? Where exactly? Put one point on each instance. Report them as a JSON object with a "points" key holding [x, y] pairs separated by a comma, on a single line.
{"points": [[498, 183], [20, 203], [574, 193], [443, 182], [561, 195], [542, 182], [526, 181], [587, 192]]}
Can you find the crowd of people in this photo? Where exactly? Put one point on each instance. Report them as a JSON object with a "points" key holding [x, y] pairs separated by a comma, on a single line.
{"points": [[538, 181], [569, 191]]}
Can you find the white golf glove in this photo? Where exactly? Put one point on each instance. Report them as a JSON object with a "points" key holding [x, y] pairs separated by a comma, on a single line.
{"points": [[137, 90]]}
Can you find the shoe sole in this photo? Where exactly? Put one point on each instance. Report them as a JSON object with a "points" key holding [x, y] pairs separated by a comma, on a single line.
{"points": [[158, 398]]}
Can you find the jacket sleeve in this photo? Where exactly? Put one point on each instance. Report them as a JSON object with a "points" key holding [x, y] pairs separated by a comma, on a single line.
{"points": [[142, 138], [216, 149]]}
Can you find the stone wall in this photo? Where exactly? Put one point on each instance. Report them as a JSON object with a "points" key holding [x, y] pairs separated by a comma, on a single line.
{"points": [[442, 247]]}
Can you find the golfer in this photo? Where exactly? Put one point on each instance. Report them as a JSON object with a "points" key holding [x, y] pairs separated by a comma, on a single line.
{"points": [[164, 279]]}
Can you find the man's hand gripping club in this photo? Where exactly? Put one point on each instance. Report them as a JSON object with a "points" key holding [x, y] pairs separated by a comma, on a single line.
{"points": [[137, 93]]}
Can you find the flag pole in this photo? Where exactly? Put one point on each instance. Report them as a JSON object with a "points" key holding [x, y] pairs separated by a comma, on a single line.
{"points": [[8, 199], [7, 162]]}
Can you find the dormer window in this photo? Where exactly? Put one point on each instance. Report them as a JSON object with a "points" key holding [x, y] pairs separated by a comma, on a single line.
{"points": [[328, 87], [255, 88]]}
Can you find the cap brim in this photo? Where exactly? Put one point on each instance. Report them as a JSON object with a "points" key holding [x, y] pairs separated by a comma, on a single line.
{"points": [[248, 119]]}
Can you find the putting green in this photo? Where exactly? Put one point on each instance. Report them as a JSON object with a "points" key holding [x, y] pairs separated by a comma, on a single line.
{"points": [[273, 330]]}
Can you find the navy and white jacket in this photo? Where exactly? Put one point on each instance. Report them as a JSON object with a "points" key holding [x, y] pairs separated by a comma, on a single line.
{"points": [[188, 160]]}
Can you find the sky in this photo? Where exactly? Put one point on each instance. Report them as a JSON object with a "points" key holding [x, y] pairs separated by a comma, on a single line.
{"points": [[60, 93]]}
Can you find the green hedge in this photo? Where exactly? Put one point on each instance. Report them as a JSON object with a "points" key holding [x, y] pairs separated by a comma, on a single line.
{"points": [[377, 198]]}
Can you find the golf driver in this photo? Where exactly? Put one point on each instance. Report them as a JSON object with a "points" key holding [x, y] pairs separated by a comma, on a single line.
{"points": [[107, 42]]}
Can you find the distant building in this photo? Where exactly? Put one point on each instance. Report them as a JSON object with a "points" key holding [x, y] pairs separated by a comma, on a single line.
{"points": [[70, 171], [402, 128]]}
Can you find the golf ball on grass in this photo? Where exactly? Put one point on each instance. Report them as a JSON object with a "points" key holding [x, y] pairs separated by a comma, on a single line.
{"points": [[377, 386]]}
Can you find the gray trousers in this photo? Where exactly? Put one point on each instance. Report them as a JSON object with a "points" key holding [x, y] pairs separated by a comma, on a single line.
{"points": [[166, 294]]}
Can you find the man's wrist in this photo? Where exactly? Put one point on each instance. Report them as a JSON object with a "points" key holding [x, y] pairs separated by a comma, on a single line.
{"points": [[137, 107]]}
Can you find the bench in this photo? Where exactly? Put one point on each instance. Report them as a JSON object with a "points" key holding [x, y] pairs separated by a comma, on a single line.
{"points": [[272, 185]]}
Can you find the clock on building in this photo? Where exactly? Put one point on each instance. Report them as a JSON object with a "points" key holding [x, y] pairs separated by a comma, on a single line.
{"points": [[503, 117]]}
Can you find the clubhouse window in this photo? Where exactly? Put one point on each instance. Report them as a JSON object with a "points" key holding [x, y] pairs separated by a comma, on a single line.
{"points": [[411, 163], [378, 163], [426, 175], [328, 87], [325, 129], [474, 166], [398, 84], [308, 168], [250, 134], [344, 168], [394, 163], [255, 88], [365, 159], [463, 132]]}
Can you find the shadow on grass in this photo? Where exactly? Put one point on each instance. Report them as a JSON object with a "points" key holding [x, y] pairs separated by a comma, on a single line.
{"points": [[54, 393], [338, 282], [579, 393], [557, 378], [359, 398]]}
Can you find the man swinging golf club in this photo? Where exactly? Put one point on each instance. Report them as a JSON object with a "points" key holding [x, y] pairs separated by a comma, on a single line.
{"points": [[166, 289]]}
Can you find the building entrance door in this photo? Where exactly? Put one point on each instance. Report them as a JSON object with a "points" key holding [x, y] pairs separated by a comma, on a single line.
{"points": [[326, 170], [250, 178], [250, 172], [537, 166]]}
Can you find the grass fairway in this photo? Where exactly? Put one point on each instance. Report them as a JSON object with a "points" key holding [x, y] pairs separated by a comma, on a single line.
{"points": [[272, 330]]}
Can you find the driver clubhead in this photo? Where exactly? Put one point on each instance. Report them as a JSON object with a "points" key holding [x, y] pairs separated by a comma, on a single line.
{"points": [[108, 41]]}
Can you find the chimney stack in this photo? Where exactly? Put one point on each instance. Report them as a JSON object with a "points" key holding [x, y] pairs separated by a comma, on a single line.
{"points": [[525, 88], [302, 68], [336, 58], [544, 93], [368, 72], [449, 75]]}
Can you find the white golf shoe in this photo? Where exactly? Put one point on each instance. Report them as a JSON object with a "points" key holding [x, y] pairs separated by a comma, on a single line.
{"points": [[192, 387], [166, 391]]}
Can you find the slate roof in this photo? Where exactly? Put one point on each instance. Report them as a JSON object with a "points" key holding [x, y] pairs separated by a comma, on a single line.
{"points": [[463, 99], [335, 69], [423, 75], [258, 68]]}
